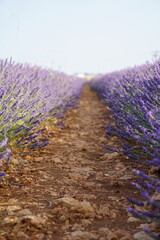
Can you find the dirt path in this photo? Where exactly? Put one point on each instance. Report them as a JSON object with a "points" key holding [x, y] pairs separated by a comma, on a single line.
{"points": [[73, 189]]}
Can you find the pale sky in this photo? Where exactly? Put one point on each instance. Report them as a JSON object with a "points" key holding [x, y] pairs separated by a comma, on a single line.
{"points": [[77, 36]]}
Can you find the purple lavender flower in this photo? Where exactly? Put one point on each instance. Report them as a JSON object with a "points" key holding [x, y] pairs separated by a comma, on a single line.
{"points": [[134, 99], [28, 95]]}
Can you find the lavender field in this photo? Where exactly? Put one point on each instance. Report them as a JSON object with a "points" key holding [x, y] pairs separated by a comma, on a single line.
{"points": [[84, 171], [133, 96]]}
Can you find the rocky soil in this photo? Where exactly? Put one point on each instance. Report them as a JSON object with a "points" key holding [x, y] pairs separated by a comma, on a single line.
{"points": [[72, 189]]}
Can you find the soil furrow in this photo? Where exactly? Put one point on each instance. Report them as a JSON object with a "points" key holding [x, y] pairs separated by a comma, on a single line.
{"points": [[73, 188]]}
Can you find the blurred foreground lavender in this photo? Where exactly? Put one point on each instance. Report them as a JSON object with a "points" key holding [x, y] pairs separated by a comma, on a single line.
{"points": [[28, 95], [133, 96]]}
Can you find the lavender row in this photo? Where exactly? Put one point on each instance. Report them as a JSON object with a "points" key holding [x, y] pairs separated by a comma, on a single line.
{"points": [[28, 95], [133, 96]]}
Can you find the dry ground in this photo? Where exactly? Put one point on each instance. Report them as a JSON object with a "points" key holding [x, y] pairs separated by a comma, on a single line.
{"points": [[72, 189]]}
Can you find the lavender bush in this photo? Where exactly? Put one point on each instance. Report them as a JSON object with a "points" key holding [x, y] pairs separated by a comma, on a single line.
{"points": [[28, 95], [133, 96]]}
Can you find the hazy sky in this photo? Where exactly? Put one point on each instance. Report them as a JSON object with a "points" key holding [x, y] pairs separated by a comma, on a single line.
{"points": [[94, 36]]}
